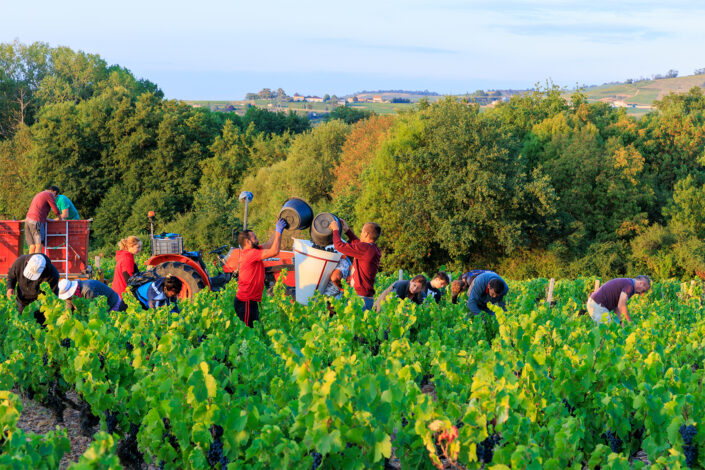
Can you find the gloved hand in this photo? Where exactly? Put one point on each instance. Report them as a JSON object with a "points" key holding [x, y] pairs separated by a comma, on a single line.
{"points": [[281, 225]]}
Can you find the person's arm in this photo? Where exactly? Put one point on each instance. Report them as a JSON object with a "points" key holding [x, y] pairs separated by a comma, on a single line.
{"points": [[474, 295], [268, 244], [350, 249], [622, 311], [12, 276], [336, 277], [54, 207], [275, 246], [65, 214], [378, 303]]}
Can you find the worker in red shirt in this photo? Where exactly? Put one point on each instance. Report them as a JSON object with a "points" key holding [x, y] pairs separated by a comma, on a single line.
{"points": [[366, 254], [250, 282], [35, 220]]}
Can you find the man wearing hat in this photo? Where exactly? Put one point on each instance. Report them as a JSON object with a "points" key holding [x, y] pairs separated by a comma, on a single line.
{"points": [[26, 276], [89, 289]]}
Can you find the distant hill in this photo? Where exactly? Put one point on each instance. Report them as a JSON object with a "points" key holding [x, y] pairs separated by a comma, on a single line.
{"points": [[641, 95]]}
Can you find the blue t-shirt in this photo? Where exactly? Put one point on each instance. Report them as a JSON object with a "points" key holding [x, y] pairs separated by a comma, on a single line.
{"points": [[156, 296]]}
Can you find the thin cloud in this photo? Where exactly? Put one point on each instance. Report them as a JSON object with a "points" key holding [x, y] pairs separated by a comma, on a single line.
{"points": [[604, 33], [355, 44]]}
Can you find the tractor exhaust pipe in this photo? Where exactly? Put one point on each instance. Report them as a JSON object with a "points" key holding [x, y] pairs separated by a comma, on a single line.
{"points": [[247, 197]]}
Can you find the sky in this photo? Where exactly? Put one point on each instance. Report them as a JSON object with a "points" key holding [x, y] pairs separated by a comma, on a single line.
{"points": [[220, 49]]}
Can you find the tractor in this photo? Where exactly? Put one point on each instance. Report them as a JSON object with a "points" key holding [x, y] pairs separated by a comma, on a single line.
{"points": [[169, 258]]}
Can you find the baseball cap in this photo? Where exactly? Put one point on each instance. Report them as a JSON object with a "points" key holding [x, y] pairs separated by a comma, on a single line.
{"points": [[34, 267], [67, 288]]}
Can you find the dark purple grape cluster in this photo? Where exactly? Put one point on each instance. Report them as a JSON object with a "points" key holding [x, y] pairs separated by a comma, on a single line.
{"points": [[111, 421], [129, 347], [66, 342], [690, 450], [101, 358], [614, 441], [45, 359], [571, 409], [317, 460], [215, 452], [485, 451], [168, 435]]}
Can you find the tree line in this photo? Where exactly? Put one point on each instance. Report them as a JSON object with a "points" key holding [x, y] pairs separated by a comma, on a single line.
{"points": [[536, 186]]}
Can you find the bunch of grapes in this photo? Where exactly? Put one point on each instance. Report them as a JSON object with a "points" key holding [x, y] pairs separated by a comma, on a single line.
{"points": [[168, 434], [45, 359], [614, 441], [571, 409], [66, 342], [215, 452], [317, 460], [111, 421], [689, 449], [485, 451], [101, 358], [129, 347]]}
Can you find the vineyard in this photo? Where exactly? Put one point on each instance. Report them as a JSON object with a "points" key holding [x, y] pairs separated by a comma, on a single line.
{"points": [[538, 386]]}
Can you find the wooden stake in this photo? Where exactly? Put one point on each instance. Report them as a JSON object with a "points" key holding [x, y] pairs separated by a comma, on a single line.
{"points": [[597, 285], [549, 297], [401, 274]]}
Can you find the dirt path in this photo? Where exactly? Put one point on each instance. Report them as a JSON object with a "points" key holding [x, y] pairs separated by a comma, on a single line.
{"points": [[40, 420]]}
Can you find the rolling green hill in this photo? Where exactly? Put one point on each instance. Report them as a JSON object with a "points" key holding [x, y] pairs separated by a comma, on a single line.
{"points": [[641, 95]]}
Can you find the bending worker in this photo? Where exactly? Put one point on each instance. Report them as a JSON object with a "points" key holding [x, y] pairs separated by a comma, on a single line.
{"points": [[486, 288], [613, 297]]}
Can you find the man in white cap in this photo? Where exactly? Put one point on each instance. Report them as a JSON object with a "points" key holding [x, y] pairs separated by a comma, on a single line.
{"points": [[89, 289], [26, 276]]}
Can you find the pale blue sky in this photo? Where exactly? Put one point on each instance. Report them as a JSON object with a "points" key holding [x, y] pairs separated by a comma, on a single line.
{"points": [[218, 49]]}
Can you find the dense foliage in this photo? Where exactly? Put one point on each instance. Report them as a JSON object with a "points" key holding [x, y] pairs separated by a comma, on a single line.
{"points": [[537, 186], [539, 386]]}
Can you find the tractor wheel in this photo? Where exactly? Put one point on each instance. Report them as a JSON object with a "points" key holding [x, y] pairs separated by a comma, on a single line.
{"points": [[191, 279]]}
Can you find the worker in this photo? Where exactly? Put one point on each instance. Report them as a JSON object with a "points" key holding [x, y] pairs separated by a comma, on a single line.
{"points": [[414, 290], [461, 285], [35, 220], [68, 210], [125, 265], [613, 297], [25, 278], [163, 292], [89, 289], [334, 288], [366, 256], [439, 281], [486, 288], [251, 271]]}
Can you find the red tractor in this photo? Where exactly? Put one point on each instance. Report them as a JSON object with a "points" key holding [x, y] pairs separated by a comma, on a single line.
{"points": [[169, 258]]}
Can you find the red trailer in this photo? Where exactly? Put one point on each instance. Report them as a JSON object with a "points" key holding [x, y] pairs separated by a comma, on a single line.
{"points": [[65, 243]]}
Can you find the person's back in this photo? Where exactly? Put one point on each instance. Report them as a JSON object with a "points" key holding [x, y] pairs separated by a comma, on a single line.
{"points": [[91, 288], [66, 207], [613, 297], [487, 287], [26, 276], [125, 265]]}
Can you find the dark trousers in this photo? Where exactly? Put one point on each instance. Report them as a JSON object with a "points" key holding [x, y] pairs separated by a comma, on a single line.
{"points": [[247, 311]]}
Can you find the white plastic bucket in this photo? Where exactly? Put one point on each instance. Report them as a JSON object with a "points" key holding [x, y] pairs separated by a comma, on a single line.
{"points": [[313, 268]]}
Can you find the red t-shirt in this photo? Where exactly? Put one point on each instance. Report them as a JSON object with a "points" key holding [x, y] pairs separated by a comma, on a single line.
{"points": [[124, 263], [39, 208], [251, 275]]}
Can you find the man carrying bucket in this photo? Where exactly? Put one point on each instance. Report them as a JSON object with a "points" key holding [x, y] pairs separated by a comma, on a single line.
{"points": [[366, 254], [250, 282]]}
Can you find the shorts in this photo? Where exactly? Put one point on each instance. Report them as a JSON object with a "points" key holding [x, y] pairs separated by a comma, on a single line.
{"points": [[34, 232], [247, 311], [597, 311]]}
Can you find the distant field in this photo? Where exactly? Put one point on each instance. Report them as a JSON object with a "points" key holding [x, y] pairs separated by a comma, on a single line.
{"points": [[646, 92]]}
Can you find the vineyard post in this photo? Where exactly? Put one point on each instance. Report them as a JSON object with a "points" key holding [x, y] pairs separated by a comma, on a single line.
{"points": [[549, 296], [597, 285], [401, 274]]}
